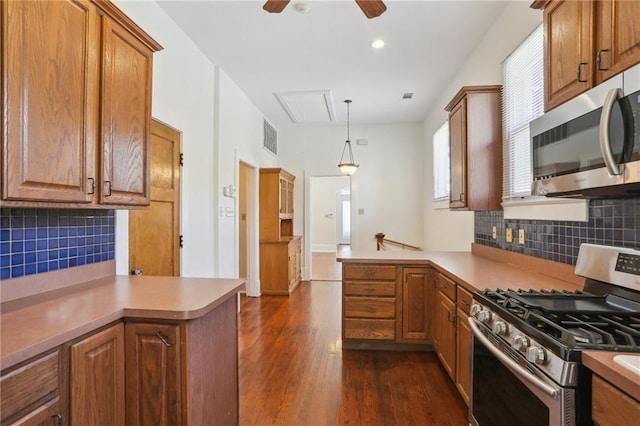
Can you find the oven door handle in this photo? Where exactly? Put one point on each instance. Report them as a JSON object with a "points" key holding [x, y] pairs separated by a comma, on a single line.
{"points": [[545, 387]]}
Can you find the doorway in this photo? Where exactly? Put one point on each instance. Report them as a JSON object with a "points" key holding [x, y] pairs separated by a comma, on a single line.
{"points": [[247, 223], [330, 220], [154, 233]]}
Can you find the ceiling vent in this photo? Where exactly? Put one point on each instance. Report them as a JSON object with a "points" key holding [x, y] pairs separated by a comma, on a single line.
{"points": [[407, 95], [270, 139], [307, 107]]}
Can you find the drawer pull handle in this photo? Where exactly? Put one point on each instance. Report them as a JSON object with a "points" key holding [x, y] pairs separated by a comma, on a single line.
{"points": [[464, 302], [443, 286], [58, 418], [164, 340], [369, 273]]}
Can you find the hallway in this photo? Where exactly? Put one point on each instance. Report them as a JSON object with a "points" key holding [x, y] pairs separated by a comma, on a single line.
{"points": [[293, 370]]}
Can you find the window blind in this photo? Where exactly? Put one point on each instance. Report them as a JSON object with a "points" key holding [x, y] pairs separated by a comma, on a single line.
{"points": [[441, 162], [522, 101]]}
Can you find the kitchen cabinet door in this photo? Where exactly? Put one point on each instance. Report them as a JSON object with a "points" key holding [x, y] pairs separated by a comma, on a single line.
{"points": [[617, 37], [446, 333], [475, 136], [126, 116], [50, 86], [153, 374], [463, 355], [417, 304], [97, 379], [568, 62]]}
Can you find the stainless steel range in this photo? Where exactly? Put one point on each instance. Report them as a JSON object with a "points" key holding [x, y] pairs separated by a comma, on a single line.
{"points": [[528, 345]]}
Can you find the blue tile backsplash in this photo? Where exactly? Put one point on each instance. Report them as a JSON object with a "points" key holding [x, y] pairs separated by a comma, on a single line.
{"points": [[611, 223], [34, 241]]}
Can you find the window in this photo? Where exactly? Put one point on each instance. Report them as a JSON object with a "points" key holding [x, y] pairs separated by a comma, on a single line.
{"points": [[522, 101], [441, 162]]}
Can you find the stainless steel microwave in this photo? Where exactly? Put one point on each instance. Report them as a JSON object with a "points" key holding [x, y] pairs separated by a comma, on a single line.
{"points": [[589, 147]]}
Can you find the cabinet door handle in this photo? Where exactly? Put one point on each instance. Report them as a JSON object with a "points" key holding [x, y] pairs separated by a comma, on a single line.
{"points": [[462, 197], [451, 317], [92, 183], [164, 339], [107, 187], [599, 59], [579, 72], [58, 417]]}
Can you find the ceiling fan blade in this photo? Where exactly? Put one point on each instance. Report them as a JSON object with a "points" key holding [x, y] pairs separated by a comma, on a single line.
{"points": [[275, 6], [371, 8]]}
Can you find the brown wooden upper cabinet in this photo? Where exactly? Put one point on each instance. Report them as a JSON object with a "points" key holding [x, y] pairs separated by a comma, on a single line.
{"points": [[276, 204], [475, 137], [586, 42], [76, 86]]}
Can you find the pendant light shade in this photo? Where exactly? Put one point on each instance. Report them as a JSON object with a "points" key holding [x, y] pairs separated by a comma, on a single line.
{"points": [[347, 165]]}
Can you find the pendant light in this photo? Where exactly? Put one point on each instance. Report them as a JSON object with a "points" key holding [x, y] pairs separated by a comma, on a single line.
{"points": [[347, 168]]}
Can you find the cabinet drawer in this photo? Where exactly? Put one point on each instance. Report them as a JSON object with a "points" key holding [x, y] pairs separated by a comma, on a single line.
{"points": [[373, 329], [447, 286], [370, 307], [29, 384], [369, 272], [464, 299], [370, 288]]}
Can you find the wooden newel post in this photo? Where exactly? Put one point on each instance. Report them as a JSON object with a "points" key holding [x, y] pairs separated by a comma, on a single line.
{"points": [[379, 240]]}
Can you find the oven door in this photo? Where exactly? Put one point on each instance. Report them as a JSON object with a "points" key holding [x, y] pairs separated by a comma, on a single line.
{"points": [[506, 391]]}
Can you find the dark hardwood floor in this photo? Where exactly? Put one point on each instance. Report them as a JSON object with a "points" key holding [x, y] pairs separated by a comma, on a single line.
{"points": [[293, 370]]}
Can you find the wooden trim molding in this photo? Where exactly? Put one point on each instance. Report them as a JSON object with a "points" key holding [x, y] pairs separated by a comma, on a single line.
{"points": [[469, 90], [557, 270], [31, 285], [116, 14], [539, 4]]}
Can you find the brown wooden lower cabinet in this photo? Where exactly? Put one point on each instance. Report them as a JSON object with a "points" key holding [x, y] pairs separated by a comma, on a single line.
{"points": [[611, 406], [280, 266], [183, 372], [171, 372], [97, 378], [445, 332]]}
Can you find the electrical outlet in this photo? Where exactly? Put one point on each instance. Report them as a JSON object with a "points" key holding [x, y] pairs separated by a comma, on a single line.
{"points": [[494, 233], [520, 236], [509, 235]]}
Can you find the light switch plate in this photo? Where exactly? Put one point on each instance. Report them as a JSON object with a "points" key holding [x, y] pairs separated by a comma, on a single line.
{"points": [[494, 233], [520, 236]]}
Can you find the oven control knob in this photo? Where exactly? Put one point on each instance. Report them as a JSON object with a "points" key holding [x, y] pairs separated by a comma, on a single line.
{"points": [[475, 308], [537, 355], [520, 343], [484, 316], [501, 327]]}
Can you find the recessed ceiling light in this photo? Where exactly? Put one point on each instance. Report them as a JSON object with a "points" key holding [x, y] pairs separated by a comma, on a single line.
{"points": [[377, 44]]}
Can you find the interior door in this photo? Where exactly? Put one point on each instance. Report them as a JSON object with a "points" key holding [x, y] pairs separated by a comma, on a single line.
{"points": [[154, 233]]}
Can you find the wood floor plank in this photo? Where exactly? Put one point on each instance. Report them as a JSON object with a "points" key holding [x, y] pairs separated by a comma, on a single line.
{"points": [[293, 370]]}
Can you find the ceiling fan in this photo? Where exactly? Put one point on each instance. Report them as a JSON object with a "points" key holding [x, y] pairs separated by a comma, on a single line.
{"points": [[371, 8]]}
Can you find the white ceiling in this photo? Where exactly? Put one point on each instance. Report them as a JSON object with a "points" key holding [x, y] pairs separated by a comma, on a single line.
{"points": [[327, 49]]}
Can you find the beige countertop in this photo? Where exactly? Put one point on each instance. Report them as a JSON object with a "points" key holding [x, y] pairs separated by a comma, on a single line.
{"points": [[36, 324], [472, 271]]}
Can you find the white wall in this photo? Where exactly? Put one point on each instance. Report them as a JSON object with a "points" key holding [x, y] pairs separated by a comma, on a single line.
{"points": [[219, 126], [323, 214], [388, 185], [444, 229]]}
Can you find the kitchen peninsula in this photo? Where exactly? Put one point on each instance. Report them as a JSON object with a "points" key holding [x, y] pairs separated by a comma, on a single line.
{"points": [[401, 300], [171, 342]]}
